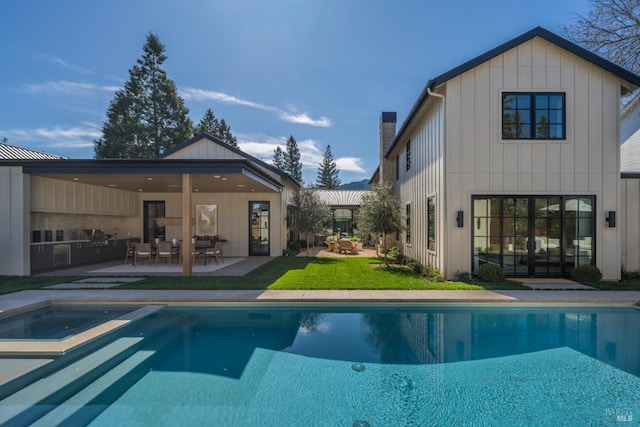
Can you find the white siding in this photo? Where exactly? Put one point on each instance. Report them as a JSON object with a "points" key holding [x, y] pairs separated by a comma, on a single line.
{"points": [[233, 217], [14, 232], [629, 222], [422, 181], [480, 162]]}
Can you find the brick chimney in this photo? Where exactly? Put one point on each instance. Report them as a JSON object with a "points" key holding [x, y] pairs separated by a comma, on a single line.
{"points": [[387, 134]]}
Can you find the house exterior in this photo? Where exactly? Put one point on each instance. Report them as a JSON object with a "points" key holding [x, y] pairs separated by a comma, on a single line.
{"points": [[220, 189], [630, 183], [513, 158]]}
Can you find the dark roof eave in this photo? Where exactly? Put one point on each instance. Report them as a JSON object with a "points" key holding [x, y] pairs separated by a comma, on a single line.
{"points": [[626, 75], [139, 166]]}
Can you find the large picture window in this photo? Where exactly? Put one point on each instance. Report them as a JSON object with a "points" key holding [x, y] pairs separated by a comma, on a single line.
{"points": [[431, 223], [533, 115]]}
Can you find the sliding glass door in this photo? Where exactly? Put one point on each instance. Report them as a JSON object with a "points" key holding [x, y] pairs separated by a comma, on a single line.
{"points": [[533, 235]]}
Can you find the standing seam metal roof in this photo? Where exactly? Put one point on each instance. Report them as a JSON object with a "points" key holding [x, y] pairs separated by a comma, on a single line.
{"points": [[341, 197], [11, 152]]}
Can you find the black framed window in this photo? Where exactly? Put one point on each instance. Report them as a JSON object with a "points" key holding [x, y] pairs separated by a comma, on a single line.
{"points": [[533, 115], [408, 223], [408, 156], [431, 223]]}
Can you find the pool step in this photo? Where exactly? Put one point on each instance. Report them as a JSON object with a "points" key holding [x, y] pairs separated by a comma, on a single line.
{"points": [[27, 405], [87, 404]]}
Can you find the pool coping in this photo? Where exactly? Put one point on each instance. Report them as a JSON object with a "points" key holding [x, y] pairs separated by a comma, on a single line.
{"points": [[20, 301], [49, 348]]}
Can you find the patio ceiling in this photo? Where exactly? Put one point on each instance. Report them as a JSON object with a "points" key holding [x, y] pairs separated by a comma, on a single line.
{"points": [[160, 176], [169, 183]]}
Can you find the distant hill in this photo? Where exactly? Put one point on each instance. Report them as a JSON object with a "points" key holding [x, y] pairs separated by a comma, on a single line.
{"points": [[356, 185]]}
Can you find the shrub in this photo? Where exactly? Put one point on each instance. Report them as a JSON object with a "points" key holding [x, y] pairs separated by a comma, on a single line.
{"points": [[586, 274], [302, 243], [415, 265], [433, 274], [402, 259], [289, 252], [393, 252], [462, 276], [490, 273], [355, 239], [294, 247], [630, 274]]}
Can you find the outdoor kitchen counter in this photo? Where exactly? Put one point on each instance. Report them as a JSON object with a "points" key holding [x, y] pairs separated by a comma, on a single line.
{"points": [[81, 252], [54, 242]]}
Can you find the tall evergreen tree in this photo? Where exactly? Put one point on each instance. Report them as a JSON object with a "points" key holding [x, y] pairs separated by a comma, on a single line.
{"points": [[208, 124], [278, 158], [218, 128], [291, 157], [224, 133], [146, 116], [328, 172]]}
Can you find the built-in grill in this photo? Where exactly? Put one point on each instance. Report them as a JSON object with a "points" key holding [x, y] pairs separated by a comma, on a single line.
{"points": [[97, 237]]}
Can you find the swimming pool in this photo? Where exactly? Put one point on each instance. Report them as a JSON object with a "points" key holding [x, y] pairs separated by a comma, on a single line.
{"points": [[56, 321], [358, 366]]}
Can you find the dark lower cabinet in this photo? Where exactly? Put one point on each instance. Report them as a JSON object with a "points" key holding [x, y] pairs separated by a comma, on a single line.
{"points": [[82, 253], [41, 257]]}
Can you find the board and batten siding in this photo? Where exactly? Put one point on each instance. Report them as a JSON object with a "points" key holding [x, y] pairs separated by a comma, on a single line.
{"points": [[629, 222], [422, 181], [14, 213], [479, 162]]}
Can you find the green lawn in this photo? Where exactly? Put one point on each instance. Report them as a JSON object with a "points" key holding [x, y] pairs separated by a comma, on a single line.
{"points": [[300, 273]]}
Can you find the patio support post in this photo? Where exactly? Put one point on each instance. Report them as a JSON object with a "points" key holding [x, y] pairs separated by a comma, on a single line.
{"points": [[187, 246]]}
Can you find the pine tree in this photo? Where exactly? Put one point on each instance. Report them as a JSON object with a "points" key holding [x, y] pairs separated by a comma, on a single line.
{"points": [[146, 116], [208, 124], [291, 157], [278, 158], [224, 133], [218, 128], [328, 172]]}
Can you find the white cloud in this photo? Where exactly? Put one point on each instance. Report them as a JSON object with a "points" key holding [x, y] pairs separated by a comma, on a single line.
{"points": [[56, 60], [67, 87], [350, 164], [311, 152], [306, 120], [58, 136], [189, 93]]}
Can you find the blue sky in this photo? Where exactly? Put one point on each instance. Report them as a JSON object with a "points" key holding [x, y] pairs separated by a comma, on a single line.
{"points": [[320, 70]]}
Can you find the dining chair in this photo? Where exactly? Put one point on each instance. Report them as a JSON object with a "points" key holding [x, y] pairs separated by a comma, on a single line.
{"points": [[215, 252], [143, 250], [131, 250], [163, 250]]}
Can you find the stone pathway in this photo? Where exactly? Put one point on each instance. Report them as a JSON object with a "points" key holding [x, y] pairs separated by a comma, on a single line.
{"points": [[95, 283]]}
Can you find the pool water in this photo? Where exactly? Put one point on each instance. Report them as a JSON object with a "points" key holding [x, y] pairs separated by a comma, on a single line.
{"points": [[376, 366], [57, 321]]}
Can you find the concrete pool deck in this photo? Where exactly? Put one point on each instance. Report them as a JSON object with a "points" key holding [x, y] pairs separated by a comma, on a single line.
{"points": [[32, 298]]}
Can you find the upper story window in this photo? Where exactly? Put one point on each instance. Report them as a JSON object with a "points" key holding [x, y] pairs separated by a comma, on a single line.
{"points": [[533, 115], [408, 156]]}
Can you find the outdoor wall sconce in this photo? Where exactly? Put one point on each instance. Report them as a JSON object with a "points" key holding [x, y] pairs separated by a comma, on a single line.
{"points": [[460, 219], [611, 218]]}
